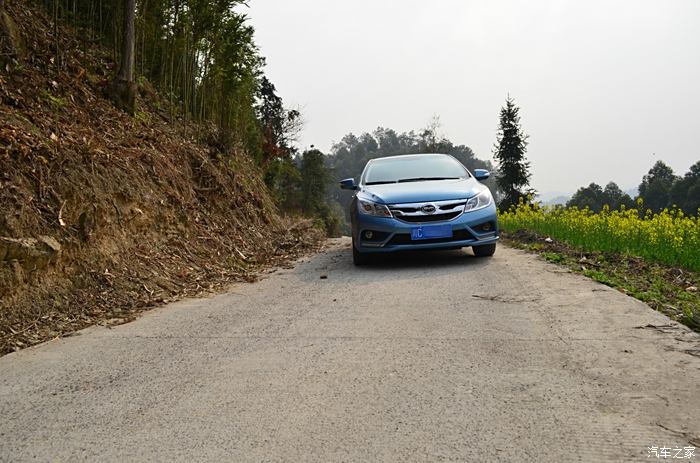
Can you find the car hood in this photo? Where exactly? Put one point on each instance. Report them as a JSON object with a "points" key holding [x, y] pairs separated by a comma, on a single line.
{"points": [[416, 192]]}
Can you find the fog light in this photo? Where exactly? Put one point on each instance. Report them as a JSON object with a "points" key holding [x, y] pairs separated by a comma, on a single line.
{"points": [[486, 227], [368, 235]]}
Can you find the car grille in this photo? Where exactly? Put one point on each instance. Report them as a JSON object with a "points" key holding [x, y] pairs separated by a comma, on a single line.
{"points": [[405, 238], [429, 218], [428, 211]]}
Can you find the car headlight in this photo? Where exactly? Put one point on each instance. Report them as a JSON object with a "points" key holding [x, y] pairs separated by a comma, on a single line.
{"points": [[479, 201], [372, 208]]}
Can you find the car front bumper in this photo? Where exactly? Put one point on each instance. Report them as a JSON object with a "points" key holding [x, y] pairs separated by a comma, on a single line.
{"points": [[391, 235]]}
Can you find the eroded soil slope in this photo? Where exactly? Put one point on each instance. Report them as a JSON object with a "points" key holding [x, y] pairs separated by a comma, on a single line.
{"points": [[103, 214]]}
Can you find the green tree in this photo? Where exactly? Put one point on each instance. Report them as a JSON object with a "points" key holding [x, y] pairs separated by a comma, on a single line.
{"points": [[283, 178], [656, 187], [685, 192], [590, 197], [279, 126], [314, 181], [594, 197], [615, 198], [431, 140], [514, 170]]}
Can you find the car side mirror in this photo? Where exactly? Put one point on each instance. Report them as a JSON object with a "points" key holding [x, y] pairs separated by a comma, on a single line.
{"points": [[348, 184], [481, 174]]}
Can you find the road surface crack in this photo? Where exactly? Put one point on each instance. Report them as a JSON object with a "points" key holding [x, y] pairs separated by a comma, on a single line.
{"points": [[506, 299]]}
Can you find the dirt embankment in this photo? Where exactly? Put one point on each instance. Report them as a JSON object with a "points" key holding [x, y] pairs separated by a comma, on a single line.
{"points": [[103, 214]]}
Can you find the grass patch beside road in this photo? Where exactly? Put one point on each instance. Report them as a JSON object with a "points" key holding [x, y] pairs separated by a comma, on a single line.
{"points": [[670, 290]]}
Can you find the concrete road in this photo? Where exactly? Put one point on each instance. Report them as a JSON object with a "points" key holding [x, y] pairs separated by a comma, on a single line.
{"points": [[428, 357]]}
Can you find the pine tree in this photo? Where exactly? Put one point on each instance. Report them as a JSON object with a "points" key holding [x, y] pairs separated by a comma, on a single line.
{"points": [[513, 169]]}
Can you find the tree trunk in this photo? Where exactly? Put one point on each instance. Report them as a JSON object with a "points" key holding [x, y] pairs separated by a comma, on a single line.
{"points": [[126, 70], [11, 44], [122, 90]]}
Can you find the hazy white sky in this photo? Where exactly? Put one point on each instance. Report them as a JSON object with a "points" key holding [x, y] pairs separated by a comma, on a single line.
{"points": [[602, 85]]}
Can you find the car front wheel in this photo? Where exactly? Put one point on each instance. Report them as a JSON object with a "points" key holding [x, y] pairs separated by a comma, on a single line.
{"points": [[485, 250], [359, 258]]}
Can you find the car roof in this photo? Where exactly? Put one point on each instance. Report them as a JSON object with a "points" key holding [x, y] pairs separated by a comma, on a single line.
{"points": [[406, 156]]}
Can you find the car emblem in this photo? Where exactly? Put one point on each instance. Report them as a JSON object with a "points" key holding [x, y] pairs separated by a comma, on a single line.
{"points": [[428, 209]]}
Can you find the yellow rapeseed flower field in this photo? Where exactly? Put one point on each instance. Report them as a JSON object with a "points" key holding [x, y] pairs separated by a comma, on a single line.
{"points": [[669, 237]]}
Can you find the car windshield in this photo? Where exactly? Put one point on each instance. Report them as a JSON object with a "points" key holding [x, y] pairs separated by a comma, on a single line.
{"points": [[413, 169]]}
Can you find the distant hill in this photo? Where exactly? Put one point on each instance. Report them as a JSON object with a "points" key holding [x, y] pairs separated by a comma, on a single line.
{"points": [[557, 200], [552, 198]]}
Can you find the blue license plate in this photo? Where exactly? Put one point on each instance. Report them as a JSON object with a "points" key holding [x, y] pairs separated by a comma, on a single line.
{"points": [[429, 232]]}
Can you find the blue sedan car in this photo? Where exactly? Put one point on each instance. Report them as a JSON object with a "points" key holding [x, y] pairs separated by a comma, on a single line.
{"points": [[420, 201]]}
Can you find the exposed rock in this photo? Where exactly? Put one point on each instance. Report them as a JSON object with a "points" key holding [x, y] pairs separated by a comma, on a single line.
{"points": [[31, 253]]}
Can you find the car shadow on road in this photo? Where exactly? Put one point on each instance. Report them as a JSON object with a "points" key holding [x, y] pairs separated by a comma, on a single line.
{"points": [[337, 265], [416, 260], [424, 259]]}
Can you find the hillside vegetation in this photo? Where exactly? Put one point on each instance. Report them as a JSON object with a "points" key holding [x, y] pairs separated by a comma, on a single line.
{"points": [[103, 213]]}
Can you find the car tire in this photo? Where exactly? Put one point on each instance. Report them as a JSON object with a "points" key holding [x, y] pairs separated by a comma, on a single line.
{"points": [[485, 250], [359, 258]]}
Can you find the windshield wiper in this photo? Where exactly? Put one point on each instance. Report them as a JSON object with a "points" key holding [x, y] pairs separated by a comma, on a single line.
{"points": [[382, 182], [422, 179]]}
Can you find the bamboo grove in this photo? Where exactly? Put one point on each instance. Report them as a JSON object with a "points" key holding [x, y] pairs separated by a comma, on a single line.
{"points": [[200, 55]]}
